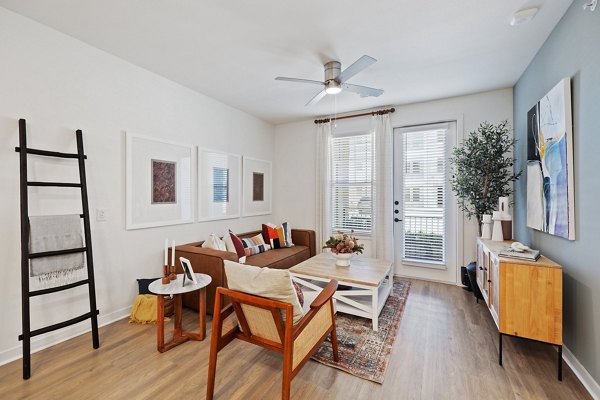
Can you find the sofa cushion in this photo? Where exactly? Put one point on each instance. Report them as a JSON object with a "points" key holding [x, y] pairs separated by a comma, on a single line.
{"points": [[239, 247], [255, 245], [214, 242], [283, 258], [277, 236]]}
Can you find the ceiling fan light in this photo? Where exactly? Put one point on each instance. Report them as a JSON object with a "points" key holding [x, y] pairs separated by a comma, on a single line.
{"points": [[523, 16], [333, 87]]}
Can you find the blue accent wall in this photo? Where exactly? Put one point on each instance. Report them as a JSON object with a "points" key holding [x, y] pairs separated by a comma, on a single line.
{"points": [[571, 50]]}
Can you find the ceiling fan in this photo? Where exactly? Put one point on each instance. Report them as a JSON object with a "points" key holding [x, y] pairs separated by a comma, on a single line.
{"points": [[335, 80]]}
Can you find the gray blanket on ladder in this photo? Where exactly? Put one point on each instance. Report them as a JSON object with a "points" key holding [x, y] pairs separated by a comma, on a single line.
{"points": [[51, 233]]}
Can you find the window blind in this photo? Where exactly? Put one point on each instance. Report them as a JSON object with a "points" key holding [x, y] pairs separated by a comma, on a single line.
{"points": [[424, 192], [352, 183], [220, 185]]}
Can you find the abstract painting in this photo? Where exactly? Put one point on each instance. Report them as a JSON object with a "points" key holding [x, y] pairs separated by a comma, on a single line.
{"points": [[164, 180], [257, 189], [550, 187], [258, 186], [159, 188]]}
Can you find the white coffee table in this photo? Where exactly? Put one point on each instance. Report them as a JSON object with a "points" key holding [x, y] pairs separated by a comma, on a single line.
{"points": [[368, 283]]}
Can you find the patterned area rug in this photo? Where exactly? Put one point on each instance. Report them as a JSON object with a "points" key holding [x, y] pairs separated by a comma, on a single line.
{"points": [[362, 352]]}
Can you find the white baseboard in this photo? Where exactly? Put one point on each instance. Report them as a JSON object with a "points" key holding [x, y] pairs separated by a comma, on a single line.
{"points": [[579, 370], [62, 335]]}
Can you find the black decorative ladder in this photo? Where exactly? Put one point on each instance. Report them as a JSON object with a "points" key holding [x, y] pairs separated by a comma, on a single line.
{"points": [[26, 294]]}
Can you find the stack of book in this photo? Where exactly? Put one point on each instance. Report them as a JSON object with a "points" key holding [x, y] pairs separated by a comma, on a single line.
{"points": [[529, 255]]}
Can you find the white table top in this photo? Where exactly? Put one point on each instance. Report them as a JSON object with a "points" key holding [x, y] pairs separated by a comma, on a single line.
{"points": [[175, 287], [362, 270]]}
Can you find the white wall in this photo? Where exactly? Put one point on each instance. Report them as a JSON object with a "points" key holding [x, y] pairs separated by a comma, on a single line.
{"points": [[295, 152], [59, 85]]}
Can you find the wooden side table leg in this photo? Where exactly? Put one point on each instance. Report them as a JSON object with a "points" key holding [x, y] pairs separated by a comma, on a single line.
{"points": [[202, 313], [178, 315], [160, 323]]}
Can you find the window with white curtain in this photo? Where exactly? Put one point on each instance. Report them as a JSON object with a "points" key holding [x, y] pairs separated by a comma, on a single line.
{"points": [[352, 160], [424, 187]]}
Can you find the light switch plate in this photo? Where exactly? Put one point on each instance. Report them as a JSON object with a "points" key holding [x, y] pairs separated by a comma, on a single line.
{"points": [[100, 214]]}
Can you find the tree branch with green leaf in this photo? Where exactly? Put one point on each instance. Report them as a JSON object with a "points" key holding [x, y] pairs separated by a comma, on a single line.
{"points": [[482, 169]]}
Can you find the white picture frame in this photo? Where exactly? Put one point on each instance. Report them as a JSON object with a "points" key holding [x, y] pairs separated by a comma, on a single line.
{"points": [[219, 185], [188, 271], [159, 186], [256, 187]]}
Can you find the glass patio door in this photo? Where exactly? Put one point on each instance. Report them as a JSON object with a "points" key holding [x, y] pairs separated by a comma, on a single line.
{"points": [[425, 209]]}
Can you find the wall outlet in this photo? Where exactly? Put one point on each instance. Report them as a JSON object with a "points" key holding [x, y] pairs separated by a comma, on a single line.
{"points": [[100, 214]]}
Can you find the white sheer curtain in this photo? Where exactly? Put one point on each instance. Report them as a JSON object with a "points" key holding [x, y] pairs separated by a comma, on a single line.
{"points": [[323, 195], [383, 190]]}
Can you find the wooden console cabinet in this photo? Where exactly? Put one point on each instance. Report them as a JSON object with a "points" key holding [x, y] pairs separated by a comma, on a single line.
{"points": [[524, 297]]}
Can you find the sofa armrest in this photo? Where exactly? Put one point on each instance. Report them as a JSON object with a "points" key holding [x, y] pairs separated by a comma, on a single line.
{"points": [[205, 252], [305, 237]]}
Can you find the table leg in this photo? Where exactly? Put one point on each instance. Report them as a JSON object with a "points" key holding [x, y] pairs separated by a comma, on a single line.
{"points": [[560, 363], [375, 310], [177, 308], [202, 313], [160, 324], [500, 348]]}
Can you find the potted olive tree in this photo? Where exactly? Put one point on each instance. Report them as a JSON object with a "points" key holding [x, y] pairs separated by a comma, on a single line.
{"points": [[482, 169]]}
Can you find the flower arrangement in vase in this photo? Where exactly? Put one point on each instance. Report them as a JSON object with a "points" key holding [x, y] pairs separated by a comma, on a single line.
{"points": [[343, 246]]}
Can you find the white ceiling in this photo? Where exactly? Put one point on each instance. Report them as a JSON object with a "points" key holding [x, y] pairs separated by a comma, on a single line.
{"points": [[232, 50]]}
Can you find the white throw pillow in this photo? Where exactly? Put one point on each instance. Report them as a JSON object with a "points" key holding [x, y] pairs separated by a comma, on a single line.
{"points": [[274, 284], [213, 242], [229, 243], [230, 247]]}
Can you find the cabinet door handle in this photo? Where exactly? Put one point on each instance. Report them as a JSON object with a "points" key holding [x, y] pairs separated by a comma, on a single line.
{"points": [[489, 281], [481, 268]]}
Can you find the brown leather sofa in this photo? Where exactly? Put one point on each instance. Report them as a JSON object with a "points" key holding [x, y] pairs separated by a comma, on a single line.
{"points": [[210, 262]]}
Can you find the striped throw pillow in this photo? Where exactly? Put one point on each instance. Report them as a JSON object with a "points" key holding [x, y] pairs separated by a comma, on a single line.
{"points": [[255, 245]]}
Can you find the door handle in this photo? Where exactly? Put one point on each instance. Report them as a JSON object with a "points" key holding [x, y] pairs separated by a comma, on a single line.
{"points": [[397, 220]]}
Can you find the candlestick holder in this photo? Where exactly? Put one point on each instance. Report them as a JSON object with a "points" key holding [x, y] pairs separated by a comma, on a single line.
{"points": [[172, 275], [165, 275]]}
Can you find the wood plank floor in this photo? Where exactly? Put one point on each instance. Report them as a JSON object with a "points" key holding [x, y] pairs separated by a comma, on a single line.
{"points": [[446, 349]]}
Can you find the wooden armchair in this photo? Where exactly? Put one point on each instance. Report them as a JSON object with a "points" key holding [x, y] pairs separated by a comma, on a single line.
{"points": [[262, 324]]}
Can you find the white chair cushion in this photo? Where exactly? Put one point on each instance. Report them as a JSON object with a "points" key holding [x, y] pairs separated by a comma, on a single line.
{"points": [[274, 284]]}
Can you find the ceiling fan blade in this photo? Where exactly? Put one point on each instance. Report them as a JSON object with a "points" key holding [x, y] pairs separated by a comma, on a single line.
{"points": [[296, 80], [363, 91], [317, 98], [355, 68]]}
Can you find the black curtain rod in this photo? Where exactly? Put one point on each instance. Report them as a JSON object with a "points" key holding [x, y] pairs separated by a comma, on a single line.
{"points": [[372, 113]]}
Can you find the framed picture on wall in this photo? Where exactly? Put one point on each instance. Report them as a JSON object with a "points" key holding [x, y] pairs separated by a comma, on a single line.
{"points": [[219, 185], [257, 190], [550, 186], [159, 184]]}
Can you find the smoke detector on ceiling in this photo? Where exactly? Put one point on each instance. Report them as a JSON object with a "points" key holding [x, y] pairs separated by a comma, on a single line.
{"points": [[524, 16], [591, 5]]}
